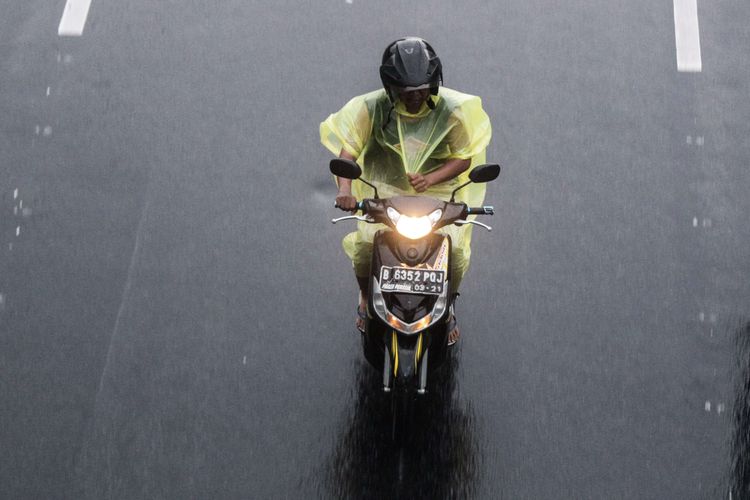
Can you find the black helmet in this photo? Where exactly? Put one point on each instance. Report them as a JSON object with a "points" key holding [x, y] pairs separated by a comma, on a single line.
{"points": [[410, 63]]}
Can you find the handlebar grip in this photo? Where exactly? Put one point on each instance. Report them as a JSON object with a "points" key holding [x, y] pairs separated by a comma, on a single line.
{"points": [[485, 210], [360, 206]]}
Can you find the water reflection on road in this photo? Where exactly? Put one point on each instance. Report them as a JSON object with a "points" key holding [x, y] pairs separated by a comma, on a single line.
{"points": [[442, 460], [741, 441]]}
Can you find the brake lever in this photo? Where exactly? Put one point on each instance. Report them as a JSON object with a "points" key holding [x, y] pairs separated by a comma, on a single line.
{"points": [[361, 218], [462, 222]]}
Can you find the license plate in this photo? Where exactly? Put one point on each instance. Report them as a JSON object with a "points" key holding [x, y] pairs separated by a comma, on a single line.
{"points": [[408, 280]]}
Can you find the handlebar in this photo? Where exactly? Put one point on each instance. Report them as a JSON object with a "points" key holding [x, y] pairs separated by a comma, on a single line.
{"points": [[485, 210]]}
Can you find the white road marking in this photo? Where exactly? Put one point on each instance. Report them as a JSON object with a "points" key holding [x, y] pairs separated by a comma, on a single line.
{"points": [[48, 89], [687, 36], [37, 129], [707, 407], [720, 408], [349, 1], [244, 360], [702, 317], [18, 231], [695, 221], [47, 131], [15, 193], [699, 140], [74, 18]]}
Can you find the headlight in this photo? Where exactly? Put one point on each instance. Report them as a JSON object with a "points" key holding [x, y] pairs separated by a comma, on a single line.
{"points": [[413, 227]]}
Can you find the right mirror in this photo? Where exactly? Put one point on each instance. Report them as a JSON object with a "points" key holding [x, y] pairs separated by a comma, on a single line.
{"points": [[485, 173]]}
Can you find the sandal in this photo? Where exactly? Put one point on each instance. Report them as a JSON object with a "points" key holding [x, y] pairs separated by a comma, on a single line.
{"points": [[452, 326], [361, 318]]}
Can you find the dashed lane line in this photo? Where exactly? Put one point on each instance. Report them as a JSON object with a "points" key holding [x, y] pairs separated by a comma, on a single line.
{"points": [[74, 18], [687, 36]]}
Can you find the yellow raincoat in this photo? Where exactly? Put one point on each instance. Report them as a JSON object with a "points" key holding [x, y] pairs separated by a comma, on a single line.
{"points": [[458, 127]]}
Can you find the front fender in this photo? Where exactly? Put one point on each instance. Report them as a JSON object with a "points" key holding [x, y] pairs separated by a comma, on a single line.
{"points": [[406, 354]]}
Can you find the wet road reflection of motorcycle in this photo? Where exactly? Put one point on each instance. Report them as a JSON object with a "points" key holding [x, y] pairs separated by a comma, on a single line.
{"points": [[444, 461]]}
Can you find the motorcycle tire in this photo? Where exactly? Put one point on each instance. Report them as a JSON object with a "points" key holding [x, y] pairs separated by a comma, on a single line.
{"points": [[402, 410]]}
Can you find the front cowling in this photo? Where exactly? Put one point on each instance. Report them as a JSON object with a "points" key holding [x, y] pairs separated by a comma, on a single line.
{"points": [[410, 312]]}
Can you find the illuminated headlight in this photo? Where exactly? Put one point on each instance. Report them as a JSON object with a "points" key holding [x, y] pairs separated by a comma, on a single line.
{"points": [[413, 227]]}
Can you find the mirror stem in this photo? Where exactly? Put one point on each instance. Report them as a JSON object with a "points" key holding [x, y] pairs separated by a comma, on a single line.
{"points": [[373, 187], [453, 194]]}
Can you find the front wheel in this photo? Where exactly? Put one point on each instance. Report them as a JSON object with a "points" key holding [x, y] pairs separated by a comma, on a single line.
{"points": [[402, 409]]}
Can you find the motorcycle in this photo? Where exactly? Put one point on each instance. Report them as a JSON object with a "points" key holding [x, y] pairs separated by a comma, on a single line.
{"points": [[409, 301]]}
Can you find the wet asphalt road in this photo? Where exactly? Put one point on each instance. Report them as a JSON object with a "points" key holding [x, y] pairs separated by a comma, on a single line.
{"points": [[176, 313]]}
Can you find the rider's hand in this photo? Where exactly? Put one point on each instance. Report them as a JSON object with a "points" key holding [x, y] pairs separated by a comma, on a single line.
{"points": [[419, 182], [345, 201]]}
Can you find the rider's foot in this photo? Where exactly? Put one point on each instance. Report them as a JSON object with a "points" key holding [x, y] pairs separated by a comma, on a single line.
{"points": [[361, 314], [454, 335], [453, 332]]}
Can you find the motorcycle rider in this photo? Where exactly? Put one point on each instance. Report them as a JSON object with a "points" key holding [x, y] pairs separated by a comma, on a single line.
{"points": [[411, 136]]}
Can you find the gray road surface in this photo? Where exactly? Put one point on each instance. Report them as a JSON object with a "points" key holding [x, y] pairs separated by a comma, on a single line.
{"points": [[176, 312]]}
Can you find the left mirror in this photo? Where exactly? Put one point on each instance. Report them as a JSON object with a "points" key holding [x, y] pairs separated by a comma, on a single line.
{"points": [[345, 168], [485, 173]]}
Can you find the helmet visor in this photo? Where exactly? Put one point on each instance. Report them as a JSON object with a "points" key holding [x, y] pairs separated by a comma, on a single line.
{"points": [[398, 89]]}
